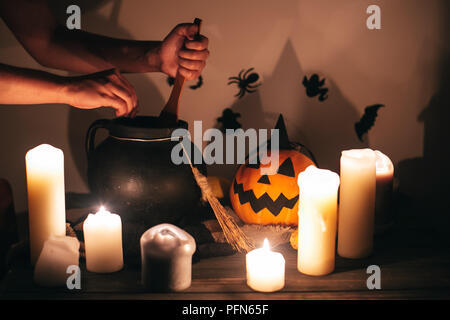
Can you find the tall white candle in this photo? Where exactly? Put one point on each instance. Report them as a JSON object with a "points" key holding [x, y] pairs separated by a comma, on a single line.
{"points": [[385, 179], [356, 203], [317, 221], [46, 198], [103, 242], [265, 269]]}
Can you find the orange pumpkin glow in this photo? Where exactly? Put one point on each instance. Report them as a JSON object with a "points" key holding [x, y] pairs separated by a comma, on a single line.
{"points": [[269, 199]]}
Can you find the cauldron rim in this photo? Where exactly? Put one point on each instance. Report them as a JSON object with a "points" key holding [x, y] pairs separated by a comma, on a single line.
{"points": [[142, 127]]}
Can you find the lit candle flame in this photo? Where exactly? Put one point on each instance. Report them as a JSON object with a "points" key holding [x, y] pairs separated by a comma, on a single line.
{"points": [[266, 244]]}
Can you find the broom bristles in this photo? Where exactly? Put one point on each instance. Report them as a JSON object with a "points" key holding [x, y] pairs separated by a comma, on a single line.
{"points": [[233, 234]]}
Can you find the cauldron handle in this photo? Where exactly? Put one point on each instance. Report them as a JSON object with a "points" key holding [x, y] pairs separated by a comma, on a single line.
{"points": [[90, 136]]}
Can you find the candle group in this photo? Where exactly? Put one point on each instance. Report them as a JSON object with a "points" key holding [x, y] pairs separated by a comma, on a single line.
{"points": [[317, 221], [46, 197], [103, 242], [365, 182], [265, 269]]}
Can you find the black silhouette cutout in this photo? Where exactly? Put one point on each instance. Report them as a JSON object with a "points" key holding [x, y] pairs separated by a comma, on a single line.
{"points": [[198, 84], [171, 81], [245, 82], [263, 202], [367, 120], [264, 179], [287, 168], [228, 120], [313, 87], [286, 144]]}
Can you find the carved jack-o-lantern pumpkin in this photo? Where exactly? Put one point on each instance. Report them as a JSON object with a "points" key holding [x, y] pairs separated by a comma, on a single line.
{"points": [[269, 199]]}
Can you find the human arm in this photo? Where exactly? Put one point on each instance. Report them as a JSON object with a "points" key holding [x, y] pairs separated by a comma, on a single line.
{"points": [[19, 86], [55, 46]]}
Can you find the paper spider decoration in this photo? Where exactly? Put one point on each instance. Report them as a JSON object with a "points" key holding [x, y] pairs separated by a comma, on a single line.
{"points": [[246, 82]]}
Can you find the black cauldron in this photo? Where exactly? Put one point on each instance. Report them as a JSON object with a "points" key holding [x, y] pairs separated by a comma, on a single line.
{"points": [[131, 172]]}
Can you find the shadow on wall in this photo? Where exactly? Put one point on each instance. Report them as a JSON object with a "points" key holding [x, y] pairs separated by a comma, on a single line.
{"points": [[150, 99], [251, 116], [427, 179], [326, 127]]}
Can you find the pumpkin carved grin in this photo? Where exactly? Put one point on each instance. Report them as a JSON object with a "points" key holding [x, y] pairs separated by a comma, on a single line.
{"points": [[265, 201], [252, 192]]}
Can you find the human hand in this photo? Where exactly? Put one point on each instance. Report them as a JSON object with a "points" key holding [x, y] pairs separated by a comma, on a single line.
{"points": [[103, 89], [183, 51]]}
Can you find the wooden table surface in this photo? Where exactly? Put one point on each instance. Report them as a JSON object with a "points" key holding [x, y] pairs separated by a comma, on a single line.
{"points": [[412, 266]]}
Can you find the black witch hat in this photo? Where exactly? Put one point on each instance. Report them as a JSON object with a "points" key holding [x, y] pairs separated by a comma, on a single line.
{"points": [[284, 142]]}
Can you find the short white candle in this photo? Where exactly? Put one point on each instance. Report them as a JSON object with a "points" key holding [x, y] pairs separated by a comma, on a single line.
{"points": [[356, 203], [385, 179], [317, 221], [265, 269], [103, 242], [46, 198], [56, 256], [166, 253]]}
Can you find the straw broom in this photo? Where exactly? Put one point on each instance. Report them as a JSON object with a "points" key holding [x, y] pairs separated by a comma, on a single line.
{"points": [[233, 234]]}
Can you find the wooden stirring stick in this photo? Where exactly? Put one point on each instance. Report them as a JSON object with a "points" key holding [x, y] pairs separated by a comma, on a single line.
{"points": [[169, 115]]}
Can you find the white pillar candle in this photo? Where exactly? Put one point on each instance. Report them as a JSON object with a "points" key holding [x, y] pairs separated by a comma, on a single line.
{"points": [[46, 198], [166, 253], [317, 221], [57, 254], [356, 203], [103, 242], [385, 178], [265, 269]]}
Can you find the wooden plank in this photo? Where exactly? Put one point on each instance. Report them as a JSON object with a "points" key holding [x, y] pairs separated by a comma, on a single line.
{"points": [[419, 294], [416, 272]]}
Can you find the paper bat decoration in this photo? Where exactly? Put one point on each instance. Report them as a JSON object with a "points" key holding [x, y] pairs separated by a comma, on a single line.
{"points": [[367, 121], [198, 84], [171, 81]]}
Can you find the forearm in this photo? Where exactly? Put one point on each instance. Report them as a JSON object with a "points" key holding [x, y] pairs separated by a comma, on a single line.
{"points": [[84, 52], [55, 46], [26, 86]]}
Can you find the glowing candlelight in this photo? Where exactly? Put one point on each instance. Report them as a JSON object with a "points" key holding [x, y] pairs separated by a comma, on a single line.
{"points": [[385, 178], [46, 197], [317, 221], [357, 203], [103, 242], [265, 269]]}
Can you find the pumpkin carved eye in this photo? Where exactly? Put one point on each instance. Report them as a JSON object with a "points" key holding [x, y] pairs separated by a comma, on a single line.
{"points": [[287, 168], [264, 179]]}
